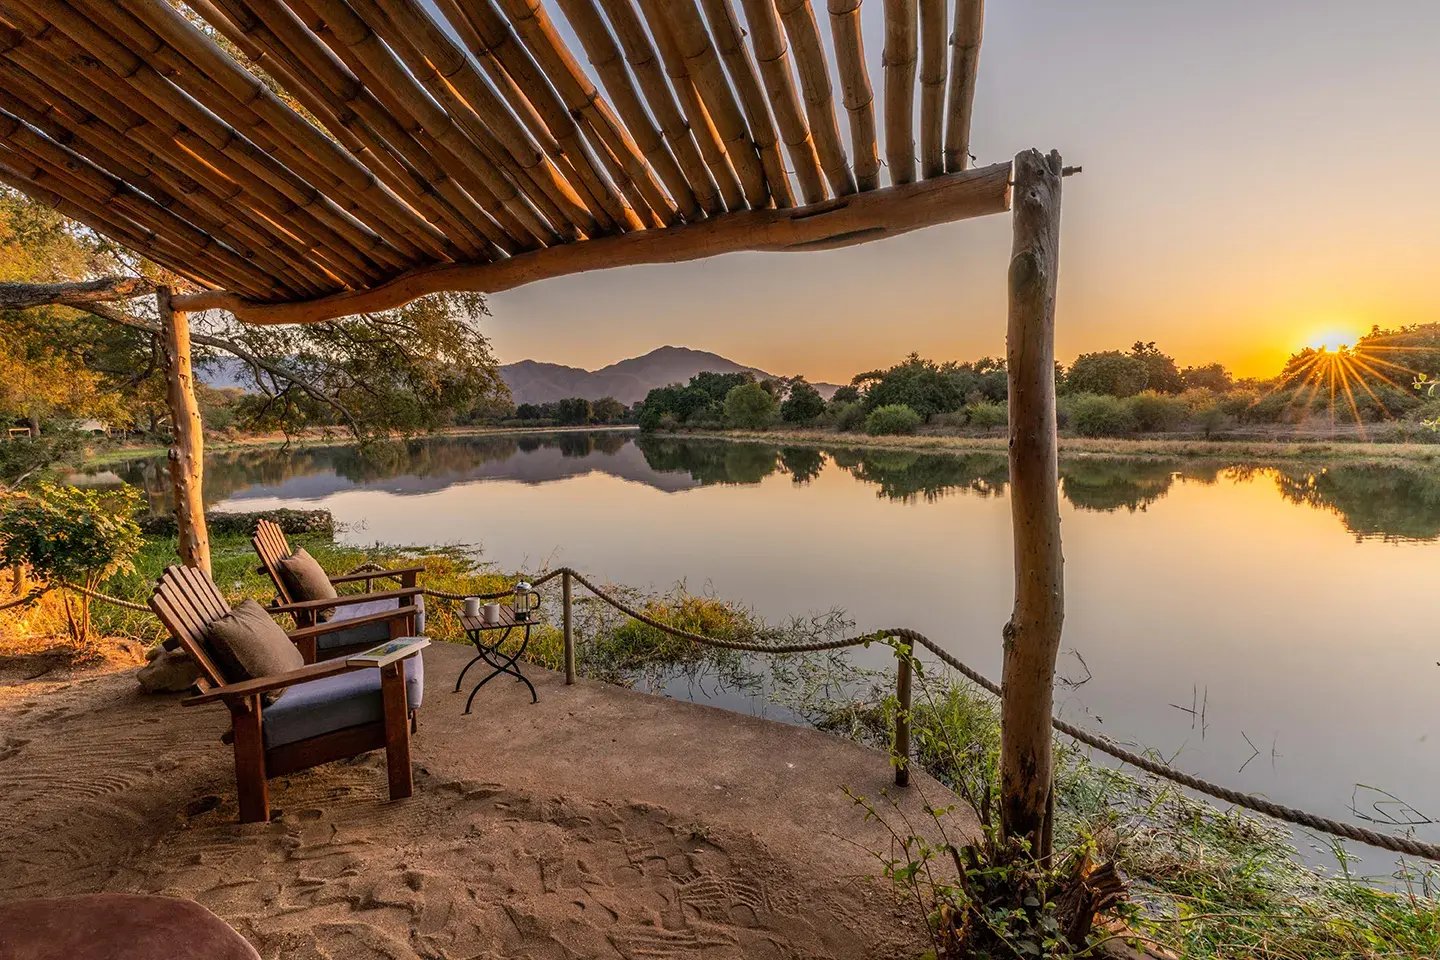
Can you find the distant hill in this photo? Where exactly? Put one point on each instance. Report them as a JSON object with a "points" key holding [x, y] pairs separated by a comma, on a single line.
{"points": [[531, 381]]}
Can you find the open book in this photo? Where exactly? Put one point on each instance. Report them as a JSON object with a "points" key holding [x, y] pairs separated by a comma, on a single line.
{"points": [[388, 652]]}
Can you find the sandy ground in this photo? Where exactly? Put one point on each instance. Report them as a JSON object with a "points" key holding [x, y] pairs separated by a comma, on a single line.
{"points": [[598, 823]]}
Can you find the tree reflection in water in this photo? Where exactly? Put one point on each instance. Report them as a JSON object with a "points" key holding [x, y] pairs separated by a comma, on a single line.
{"points": [[1387, 502]]}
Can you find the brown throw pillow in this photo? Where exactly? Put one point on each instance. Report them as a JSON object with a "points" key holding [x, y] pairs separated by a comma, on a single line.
{"points": [[247, 643], [306, 580]]}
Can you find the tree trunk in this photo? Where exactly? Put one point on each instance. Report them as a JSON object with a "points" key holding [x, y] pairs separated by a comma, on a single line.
{"points": [[1032, 637], [188, 448]]}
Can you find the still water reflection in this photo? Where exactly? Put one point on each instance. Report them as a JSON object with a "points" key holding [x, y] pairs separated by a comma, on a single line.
{"points": [[1288, 604]]}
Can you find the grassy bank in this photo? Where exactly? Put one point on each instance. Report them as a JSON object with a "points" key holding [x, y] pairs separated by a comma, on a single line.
{"points": [[1079, 448]]}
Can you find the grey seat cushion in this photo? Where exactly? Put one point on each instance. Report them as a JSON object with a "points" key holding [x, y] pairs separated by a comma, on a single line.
{"points": [[334, 703], [370, 633], [246, 643]]}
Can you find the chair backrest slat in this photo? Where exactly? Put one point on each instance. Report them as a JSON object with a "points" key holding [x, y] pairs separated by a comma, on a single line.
{"points": [[187, 601], [273, 546]]}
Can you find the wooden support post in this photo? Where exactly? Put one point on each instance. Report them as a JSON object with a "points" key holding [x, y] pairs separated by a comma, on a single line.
{"points": [[1032, 637], [187, 450], [569, 628], [903, 696]]}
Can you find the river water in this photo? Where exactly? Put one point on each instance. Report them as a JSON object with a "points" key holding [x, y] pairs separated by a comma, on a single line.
{"points": [[1268, 627]]}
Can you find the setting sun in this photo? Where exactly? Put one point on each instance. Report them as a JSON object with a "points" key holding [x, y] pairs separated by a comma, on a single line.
{"points": [[1333, 341]]}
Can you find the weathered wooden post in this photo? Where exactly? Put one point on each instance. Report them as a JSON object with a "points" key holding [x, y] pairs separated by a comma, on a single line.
{"points": [[1032, 637], [187, 450], [569, 628], [903, 699]]}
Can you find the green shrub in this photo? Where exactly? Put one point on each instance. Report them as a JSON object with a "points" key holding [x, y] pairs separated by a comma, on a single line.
{"points": [[803, 404], [750, 407], [987, 415], [845, 415], [71, 536], [1100, 415], [893, 418], [1157, 411]]}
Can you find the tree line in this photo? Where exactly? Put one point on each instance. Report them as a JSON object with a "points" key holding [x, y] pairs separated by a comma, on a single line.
{"points": [[1101, 394]]}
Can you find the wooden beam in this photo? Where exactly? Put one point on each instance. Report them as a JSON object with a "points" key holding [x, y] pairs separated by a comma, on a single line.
{"points": [[839, 222], [187, 449], [901, 45], [18, 296], [1032, 637]]}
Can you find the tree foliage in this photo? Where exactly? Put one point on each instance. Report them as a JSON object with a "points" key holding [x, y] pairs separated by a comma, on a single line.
{"points": [[750, 407], [802, 404], [71, 536]]}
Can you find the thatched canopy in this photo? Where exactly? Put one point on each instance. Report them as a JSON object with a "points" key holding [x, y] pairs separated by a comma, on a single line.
{"points": [[305, 159]]}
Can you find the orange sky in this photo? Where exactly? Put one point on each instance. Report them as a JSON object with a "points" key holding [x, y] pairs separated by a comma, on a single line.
{"points": [[1256, 176]]}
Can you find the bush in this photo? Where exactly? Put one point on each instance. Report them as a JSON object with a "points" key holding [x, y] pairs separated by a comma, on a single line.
{"points": [[1099, 415], [893, 418], [1157, 411], [750, 407], [68, 535], [987, 415], [844, 415]]}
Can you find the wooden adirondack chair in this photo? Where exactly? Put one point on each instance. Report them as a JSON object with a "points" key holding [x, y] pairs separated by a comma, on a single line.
{"points": [[273, 546], [363, 630], [331, 710]]}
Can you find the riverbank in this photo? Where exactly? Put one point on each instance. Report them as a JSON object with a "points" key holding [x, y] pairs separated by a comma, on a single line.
{"points": [[316, 438], [1211, 882], [1080, 448]]}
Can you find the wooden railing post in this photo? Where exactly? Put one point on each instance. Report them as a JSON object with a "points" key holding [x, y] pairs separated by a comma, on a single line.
{"points": [[1032, 637], [569, 628], [903, 699], [187, 449]]}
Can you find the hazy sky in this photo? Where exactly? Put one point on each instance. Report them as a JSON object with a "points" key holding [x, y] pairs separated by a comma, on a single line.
{"points": [[1257, 175]]}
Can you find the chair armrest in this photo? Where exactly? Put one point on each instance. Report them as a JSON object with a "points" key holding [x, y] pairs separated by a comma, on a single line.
{"points": [[250, 688], [350, 598], [334, 626], [377, 574]]}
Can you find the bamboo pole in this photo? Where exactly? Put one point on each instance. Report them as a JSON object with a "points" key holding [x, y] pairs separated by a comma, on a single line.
{"points": [[964, 69], [408, 170], [712, 149], [569, 621], [78, 44], [692, 41], [493, 42], [903, 701], [741, 66], [932, 87], [534, 24], [660, 99], [605, 56], [281, 31], [855, 86], [1032, 636], [773, 55], [844, 221], [187, 449], [85, 135], [305, 149], [228, 182], [899, 60], [804, 33]]}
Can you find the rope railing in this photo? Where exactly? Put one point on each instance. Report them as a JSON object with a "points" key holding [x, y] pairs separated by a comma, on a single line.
{"points": [[1340, 828]]}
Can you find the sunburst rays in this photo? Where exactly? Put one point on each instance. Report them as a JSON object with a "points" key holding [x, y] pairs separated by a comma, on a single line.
{"points": [[1336, 376]]}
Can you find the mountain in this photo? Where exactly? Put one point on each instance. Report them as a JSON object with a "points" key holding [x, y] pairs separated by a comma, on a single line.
{"points": [[531, 381]]}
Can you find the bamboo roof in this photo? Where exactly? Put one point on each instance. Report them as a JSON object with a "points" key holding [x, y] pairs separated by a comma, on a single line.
{"points": [[299, 160]]}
